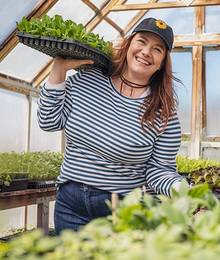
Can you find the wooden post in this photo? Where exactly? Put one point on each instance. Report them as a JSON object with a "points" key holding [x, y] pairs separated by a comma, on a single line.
{"points": [[28, 132], [41, 197], [43, 214], [25, 217], [114, 207], [196, 113], [104, 12]]}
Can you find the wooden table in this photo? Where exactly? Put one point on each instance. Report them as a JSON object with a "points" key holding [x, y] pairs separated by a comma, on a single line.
{"points": [[41, 197]]}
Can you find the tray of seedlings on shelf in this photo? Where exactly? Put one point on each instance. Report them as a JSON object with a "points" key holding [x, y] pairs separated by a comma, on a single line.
{"points": [[13, 182], [41, 184]]}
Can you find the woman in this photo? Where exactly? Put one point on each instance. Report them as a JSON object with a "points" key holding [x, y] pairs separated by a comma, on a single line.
{"points": [[122, 132]]}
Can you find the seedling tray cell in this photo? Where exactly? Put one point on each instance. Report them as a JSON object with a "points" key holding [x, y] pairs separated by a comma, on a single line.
{"points": [[40, 184], [68, 49]]}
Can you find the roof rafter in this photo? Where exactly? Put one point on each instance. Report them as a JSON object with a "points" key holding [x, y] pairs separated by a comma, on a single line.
{"points": [[44, 72], [12, 40], [107, 19], [137, 18], [197, 39], [102, 14], [17, 85], [173, 4]]}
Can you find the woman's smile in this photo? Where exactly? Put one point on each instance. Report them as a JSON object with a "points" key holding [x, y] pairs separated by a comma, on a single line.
{"points": [[142, 61]]}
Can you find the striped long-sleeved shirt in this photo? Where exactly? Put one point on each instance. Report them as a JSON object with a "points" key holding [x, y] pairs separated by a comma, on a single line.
{"points": [[105, 144]]}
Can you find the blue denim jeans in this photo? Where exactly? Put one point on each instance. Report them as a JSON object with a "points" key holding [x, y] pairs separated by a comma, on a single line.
{"points": [[77, 204]]}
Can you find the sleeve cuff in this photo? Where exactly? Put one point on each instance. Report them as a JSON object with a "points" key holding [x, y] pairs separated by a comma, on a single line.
{"points": [[176, 185], [60, 86]]}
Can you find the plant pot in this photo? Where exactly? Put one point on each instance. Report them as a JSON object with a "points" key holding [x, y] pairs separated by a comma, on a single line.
{"points": [[67, 49], [19, 182], [41, 184]]}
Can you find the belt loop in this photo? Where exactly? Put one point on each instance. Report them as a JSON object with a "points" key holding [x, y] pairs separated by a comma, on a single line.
{"points": [[85, 187], [114, 198]]}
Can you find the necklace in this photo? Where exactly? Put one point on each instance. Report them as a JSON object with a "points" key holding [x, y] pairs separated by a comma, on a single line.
{"points": [[131, 84]]}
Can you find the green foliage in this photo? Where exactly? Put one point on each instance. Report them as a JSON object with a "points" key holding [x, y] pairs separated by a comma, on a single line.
{"points": [[38, 165], [210, 175], [58, 28], [166, 230], [200, 171], [187, 165]]}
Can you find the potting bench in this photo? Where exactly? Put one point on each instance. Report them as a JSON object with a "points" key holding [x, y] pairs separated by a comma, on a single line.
{"points": [[21, 198]]}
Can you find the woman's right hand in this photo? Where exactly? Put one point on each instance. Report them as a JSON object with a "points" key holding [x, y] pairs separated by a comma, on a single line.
{"points": [[61, 66]]}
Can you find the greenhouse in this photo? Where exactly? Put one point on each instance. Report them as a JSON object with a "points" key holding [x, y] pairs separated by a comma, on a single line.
{"points": [[110, 109]]}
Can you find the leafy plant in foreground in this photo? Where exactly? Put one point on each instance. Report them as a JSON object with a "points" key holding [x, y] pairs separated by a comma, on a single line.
{"points": [[175, 234]]}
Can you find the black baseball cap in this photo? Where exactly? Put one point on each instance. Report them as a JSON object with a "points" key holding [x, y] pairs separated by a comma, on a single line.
{"points": [[159, 27]]}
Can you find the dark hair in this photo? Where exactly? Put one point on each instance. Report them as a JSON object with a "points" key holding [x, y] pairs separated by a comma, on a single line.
{"points": [[162, 98]]}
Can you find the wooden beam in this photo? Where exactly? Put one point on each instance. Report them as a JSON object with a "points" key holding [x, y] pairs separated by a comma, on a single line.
{"points": [[91, 5], [196, 116], [134, 21], [204, 103], [102, 14], [28, 132], [137, 18], [20, 198], [199, 19], [12, 40], [197, 88], [174, 4], [42, 75], [115, 26], [43, 214], [107, 19], [17, 85], [212, 141], [199, 29], [196, 40]]}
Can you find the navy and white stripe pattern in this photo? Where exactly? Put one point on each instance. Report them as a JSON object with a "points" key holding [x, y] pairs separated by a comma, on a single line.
{"points": [[105, 145]]}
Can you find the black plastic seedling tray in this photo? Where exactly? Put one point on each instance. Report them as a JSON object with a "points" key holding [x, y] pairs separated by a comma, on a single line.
{"points": [[41, 184], [69, 49], [19, 182]]}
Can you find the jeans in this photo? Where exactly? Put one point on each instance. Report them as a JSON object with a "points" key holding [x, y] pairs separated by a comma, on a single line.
{"points": [[77, 204]]}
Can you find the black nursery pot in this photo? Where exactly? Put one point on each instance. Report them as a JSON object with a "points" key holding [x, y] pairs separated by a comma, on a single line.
{"points": [[19, 182]]}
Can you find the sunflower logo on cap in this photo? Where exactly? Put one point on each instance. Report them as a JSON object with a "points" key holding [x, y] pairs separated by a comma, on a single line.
{"points": [[161, 24]]}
